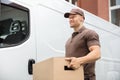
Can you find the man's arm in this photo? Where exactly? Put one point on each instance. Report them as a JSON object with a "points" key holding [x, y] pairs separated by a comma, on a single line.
{"points": [[91, 57]]}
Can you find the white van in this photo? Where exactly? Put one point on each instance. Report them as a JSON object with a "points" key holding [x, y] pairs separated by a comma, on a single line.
{"points": [[34, 30]]}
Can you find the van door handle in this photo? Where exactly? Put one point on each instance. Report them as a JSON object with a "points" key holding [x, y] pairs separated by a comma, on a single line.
{"points": [[30, 66]]}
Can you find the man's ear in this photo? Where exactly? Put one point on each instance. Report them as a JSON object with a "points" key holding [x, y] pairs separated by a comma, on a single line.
{"points": [[82, 20]]}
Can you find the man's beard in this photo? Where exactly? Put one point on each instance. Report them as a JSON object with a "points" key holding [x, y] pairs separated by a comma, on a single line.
{"points": [[71, 26]]}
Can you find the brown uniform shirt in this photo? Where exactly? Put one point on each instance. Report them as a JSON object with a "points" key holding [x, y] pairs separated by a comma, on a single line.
{"points": [[78, 46]]}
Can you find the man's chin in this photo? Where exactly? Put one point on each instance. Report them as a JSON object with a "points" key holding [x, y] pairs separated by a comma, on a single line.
{"points": [[72, 26]]}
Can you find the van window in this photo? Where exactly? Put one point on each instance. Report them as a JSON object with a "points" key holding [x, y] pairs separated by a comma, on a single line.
{"points": [[14, 25]]}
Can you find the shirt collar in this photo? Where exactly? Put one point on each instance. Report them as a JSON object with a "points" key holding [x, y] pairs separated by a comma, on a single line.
{"points": [[79, 31]]}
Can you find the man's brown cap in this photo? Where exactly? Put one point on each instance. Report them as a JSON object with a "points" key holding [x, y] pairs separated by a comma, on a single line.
{"points": [[74, 11]]}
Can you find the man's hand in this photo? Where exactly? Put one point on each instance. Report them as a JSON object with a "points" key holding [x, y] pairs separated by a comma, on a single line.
{"points": [[73, 62]]}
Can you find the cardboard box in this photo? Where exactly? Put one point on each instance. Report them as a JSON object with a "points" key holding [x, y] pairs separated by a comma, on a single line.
{"points": [[55, 69]]}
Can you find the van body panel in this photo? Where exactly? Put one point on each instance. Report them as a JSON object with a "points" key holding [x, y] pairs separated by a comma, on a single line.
{"points": [[49, 31]]}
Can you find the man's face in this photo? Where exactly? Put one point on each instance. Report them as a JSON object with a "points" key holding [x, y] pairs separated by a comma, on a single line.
{"points": [[75, 20]]}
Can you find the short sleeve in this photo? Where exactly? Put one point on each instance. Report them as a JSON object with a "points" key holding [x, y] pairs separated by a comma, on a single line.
{"points": [[92, 38]]}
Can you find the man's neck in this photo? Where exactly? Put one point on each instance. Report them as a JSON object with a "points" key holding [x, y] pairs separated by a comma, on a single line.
{"points": [[78, 28]]}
